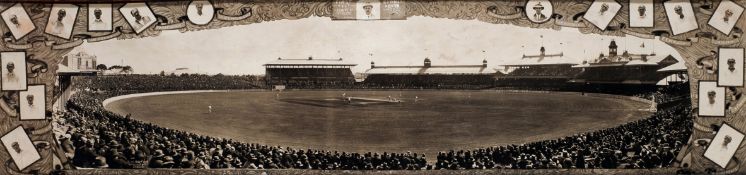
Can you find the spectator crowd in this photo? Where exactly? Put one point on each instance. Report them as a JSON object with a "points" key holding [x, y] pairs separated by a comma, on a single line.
{"points": [[97, 138], [648, 143], [101, 139]]}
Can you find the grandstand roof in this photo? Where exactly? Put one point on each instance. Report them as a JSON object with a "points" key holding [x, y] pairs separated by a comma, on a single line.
{"points": [[542, 59], [674, 67], [545, 60], [640, 63], [310, 62], [625, 59], [423, 70]]}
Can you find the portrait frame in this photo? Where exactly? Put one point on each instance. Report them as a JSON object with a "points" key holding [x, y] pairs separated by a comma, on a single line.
{"points": [[359, 4], [670, 23], [738, 67], [526, 11], [722, 125], [715, 13], [26, 19], [24, 65], [110, 17], [702, 95], [21, 99], [68, 30], [608, 21], [212, 9], [130, 19], [35, 153], [650, 11]]}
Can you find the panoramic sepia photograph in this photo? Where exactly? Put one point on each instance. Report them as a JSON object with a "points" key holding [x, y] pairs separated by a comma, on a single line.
{"points": [[372, 87], [378, 95]]}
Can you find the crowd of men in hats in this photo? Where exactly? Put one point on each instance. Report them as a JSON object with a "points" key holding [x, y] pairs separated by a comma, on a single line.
{"points": [[101, 139], [167, 82], [652, 142], [97, 138]]}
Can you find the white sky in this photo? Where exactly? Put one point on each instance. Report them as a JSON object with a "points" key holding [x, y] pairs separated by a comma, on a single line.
{"points": [[243, 49]]}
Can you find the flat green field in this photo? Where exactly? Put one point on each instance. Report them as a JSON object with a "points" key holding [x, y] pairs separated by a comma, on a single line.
{"points": [[437, 121]]}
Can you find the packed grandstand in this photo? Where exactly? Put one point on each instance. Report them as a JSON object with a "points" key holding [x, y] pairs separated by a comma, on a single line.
{"points": [[93, 137]]}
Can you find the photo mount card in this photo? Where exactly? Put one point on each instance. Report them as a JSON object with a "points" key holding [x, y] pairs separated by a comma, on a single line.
{"points": [[100, 17], [20, 148], [602, 12], [724, 145], [726, 16], [641, 13], [680, 16], [13, 71], [711, 99], [731, 67], [62, 20], [32, 103], [18, 21], [138, 15]]}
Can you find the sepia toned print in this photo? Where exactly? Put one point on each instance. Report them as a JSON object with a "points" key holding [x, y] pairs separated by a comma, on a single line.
{"points": [[376, 87]]}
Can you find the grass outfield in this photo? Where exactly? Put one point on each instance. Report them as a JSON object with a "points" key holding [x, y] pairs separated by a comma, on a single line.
{"points": [[438, 121]]}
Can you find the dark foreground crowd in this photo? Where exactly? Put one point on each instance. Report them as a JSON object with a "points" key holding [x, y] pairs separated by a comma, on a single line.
{"points": [[648, 143], [101, 139], [97, 138]]}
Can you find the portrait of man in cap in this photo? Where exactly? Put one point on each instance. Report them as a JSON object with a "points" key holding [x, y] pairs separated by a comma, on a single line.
{"points": [[368, 10], [538, 11], [538, 16]]}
